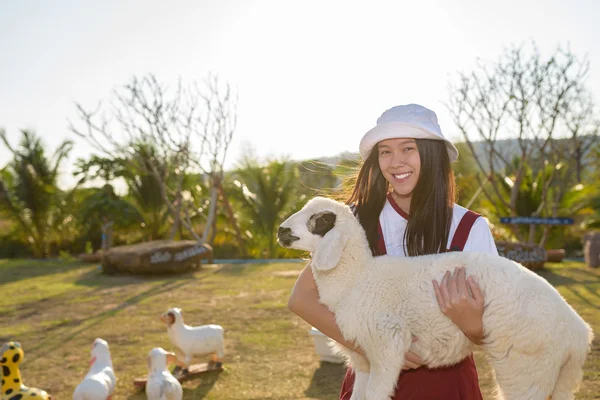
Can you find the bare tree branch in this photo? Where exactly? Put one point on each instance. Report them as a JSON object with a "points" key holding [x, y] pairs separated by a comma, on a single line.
{"points": [[147, 112], [535, 101]]}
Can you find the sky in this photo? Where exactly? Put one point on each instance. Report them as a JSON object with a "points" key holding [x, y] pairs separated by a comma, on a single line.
{"points": [[312, 76]]}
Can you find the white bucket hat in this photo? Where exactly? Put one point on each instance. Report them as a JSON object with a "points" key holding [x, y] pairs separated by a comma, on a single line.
{"points": [[408, 121]]}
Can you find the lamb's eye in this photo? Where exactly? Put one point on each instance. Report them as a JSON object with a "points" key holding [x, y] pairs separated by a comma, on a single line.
{"points": [[326, 219], [323, 223]]}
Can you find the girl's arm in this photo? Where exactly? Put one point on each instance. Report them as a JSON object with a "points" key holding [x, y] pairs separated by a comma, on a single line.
{"points": [[304, 302]]}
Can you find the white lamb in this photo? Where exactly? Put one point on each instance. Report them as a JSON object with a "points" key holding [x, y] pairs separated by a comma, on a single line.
{"points": [[100, 381], [536, 343], [161, 384], [192, 341]]}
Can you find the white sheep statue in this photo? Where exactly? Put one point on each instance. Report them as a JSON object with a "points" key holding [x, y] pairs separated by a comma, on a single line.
{"points": [[536, 343], [192, 341], [161, 384], [100, 381]]}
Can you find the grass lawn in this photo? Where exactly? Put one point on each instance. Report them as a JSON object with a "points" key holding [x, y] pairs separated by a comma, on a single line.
{"points": [[56, 310]]}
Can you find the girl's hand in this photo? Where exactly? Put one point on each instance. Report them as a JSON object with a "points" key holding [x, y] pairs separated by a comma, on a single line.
{"points": [[461, 300], [412, 360]]}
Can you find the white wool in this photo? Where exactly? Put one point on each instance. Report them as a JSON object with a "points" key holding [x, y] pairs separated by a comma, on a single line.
{"points": [[100, 381], [536, 343]]}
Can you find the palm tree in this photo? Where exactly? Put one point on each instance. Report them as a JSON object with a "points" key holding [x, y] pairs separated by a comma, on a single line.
{"points": [[29, 191], [104, 208], [568, 201], [266, 194], [144, 190]]}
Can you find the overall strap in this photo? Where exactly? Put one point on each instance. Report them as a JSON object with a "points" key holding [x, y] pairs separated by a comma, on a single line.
{"points": [[462, 231], [381, 250]]}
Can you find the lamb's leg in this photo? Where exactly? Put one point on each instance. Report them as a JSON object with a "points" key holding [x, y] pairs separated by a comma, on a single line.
{"points": [[361, 380], [182, 367], [179, 363], [569, 378], [383, 378], [386, 366], [187, 361], [221, 351], [361, 369], [215, 360], [523, 377], [390, 341]]}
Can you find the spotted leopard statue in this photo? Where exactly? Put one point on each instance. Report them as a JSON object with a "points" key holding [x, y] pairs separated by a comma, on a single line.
{"points": [[11, 355]]}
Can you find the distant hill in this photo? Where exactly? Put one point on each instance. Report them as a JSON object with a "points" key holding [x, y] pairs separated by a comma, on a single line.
{"points": [[509, 149]]}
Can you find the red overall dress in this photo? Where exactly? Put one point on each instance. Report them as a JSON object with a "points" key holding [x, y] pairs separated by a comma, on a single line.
{"points": [[459, 382]]}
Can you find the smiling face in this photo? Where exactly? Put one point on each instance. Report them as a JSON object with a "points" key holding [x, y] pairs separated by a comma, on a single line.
{"points": [[400, 164]]}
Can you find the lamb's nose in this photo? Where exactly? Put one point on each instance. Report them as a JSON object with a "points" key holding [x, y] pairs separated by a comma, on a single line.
{"points": [[284, 231]]}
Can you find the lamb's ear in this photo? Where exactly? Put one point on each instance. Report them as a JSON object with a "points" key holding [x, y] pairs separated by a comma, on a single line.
{"points": [[329, 251]]}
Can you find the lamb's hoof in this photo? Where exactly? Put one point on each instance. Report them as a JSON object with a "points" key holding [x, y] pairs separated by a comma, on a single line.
{"points": [[179, 372]]}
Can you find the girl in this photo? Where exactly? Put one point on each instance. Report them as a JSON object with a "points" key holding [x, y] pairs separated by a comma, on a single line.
{"points": [[404, 199]]}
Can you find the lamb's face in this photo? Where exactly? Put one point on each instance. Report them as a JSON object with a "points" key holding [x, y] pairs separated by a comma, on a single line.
{"points": [[305, 229], [321, 227], [172, 316]]}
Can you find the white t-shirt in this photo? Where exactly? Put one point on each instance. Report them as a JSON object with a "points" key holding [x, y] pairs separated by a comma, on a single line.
{"points": [[393, 226]]}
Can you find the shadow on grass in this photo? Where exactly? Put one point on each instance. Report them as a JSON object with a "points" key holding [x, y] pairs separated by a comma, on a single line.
{"points": [[206, 382], [585, 279], [327, 378], [16, 270], [556, 279], [584, 299], [99, 281], [96, 278], [566, 276], [54, 342]]}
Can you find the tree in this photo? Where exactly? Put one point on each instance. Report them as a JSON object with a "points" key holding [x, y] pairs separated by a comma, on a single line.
{"points": [[591, 196], [267, 194], [105, 209], [102, 209], [149, 114], [469, 190], [537, 101], [29, 192]]}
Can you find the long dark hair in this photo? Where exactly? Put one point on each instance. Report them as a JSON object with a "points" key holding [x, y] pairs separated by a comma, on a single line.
{"points": [[430, 207]]}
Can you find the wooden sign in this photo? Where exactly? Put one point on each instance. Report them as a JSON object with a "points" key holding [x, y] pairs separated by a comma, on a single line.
{"points": [[537, 220], [157, 256]]}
